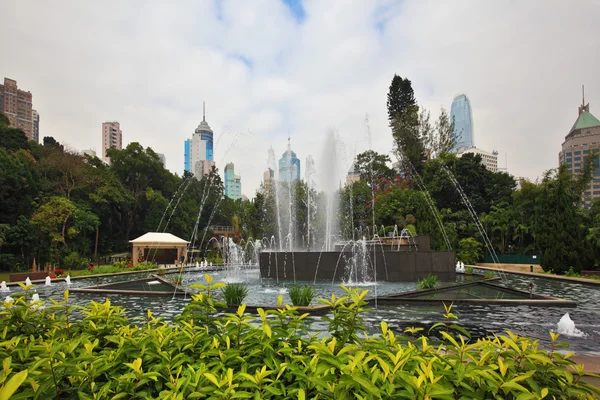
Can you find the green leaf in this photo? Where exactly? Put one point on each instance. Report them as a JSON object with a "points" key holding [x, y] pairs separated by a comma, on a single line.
{"points": [[212, 378], [367, 384], [12, 385], [301, 394]]}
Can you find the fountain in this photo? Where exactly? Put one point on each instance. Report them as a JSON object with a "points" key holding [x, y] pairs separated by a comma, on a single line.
{"points": [[35, 297], [566, 326], [68, 280], [8, 298], [48, 281], [3, 287], [28, 281], [324, 256]]}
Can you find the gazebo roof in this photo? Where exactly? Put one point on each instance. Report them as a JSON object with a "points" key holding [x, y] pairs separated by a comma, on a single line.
{"points": [[158, 237]]}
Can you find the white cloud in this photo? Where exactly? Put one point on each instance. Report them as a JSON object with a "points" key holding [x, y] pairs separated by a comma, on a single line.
{"points": [[263, 75]]}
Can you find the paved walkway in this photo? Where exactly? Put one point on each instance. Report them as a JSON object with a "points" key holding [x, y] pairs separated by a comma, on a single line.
{"points": [[510, 268]]}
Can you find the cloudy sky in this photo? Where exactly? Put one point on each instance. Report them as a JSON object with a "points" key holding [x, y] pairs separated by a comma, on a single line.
{"points": [[269, 68]]}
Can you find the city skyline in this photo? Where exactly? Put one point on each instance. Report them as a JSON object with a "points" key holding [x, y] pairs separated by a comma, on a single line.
{"points": [[261, 88]]}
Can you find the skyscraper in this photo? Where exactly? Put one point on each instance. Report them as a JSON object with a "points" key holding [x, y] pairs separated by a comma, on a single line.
{"points": [[200, 148], [233, 183], [187, 151], [463, 122], [16, 104], [268, 176], [583, 139], [36, 126], [289, 166], [112, 137]]}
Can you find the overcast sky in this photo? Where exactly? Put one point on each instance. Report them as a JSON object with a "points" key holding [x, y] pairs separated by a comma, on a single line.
{"points": [[267, 69]]}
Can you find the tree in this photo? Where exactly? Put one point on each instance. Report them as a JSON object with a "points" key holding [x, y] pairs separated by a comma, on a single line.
{"points": [[400, 98], [137, 169], [71, 169], [373, 166], [559, 229], [469, 251], [441, 138]]}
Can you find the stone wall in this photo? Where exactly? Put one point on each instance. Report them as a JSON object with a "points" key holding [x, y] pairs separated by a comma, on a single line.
{"points": [[394, 266]]}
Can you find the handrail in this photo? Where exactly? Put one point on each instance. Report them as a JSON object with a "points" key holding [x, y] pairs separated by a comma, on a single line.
{"points": [[221, 228]]}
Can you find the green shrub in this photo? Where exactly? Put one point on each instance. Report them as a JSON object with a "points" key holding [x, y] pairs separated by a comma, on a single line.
{"points": [[301, 296], [429, 282], [74, 261], [235, 293], [469, 270], [206, 354], [469, 251], [489, 274], [570, 272]]}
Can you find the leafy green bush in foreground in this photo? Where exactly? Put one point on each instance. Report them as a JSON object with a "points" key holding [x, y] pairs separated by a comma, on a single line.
{"points": [[47, 354]]}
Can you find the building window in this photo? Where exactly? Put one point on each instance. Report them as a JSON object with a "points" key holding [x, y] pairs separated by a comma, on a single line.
{"points": [[586, 152], [577, 170], [569, 154], [577, 158], [578, 164], [578, 152], [569, 159]]}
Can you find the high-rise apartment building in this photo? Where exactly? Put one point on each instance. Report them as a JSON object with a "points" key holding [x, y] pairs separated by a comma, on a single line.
{"points": [[112, 137], [198, 152], [16, 104], [289, 166], [462, 114], [36, 126], [233, 183], [489, 160], [583, 138], [88, 152]]}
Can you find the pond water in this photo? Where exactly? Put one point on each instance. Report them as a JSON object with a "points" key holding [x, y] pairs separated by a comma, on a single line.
{"points": [[480, 320]]}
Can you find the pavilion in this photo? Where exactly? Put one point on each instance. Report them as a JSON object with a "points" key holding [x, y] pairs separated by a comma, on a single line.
{"points": [[162, 248]]}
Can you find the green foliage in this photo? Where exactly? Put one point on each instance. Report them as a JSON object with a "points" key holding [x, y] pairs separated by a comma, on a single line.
{"points": [[301, 295], [235, 293], [74, 261], [119, 266], [400, 98], [559, 229], [47, 354], [469, 270], [429, 282], [572, 273], [373, 166], [489, 274], [469, 251]]}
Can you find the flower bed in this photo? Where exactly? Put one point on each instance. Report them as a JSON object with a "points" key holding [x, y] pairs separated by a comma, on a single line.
{"points": [[113, 268], [207, 354]]}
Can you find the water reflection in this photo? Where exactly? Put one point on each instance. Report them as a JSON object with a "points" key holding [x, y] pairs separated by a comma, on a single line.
{"points": [[480, 320]]}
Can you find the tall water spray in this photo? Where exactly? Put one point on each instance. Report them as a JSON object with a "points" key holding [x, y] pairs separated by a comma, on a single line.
{"points": [[310, 201], [330, 182], [273, 166]]}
